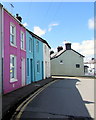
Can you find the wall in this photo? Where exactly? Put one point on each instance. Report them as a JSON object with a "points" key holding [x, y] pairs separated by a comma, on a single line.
{"points": [[38, 56], [30, 56], [46, 55], [70, 59], [8, 49]]}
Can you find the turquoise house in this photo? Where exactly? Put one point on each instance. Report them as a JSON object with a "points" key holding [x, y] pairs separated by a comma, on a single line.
{"points": [[34, 53], [29, 58]]}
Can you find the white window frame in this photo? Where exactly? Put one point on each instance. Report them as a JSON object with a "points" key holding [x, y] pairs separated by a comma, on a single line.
{"points": [[13, 34], [22, 40], [13, 79], [30, 44]]}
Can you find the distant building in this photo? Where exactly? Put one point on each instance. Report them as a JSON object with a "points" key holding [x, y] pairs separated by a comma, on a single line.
{"points": [[46, 56], [91, 67], [67, 62]]}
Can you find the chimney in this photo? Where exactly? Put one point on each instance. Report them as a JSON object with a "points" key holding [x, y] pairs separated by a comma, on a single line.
{"points": [[18, 17], [68, 46], [59, 48]]}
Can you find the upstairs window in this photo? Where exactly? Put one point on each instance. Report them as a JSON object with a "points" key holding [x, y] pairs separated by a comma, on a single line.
{"points": [[77, 65], [30, 44], [37, 46], [61, 61], [22, 40], [12, 34]]}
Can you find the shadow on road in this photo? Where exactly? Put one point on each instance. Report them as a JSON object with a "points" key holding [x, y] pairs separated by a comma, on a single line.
{"points": [[61, 99]]}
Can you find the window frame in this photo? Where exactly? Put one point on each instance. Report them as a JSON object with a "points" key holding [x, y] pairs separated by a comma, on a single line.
{"points": [[22, 41], [30, 45], [13, 34], [77, 65], [37, 46], [38, 66], [14, 66]]}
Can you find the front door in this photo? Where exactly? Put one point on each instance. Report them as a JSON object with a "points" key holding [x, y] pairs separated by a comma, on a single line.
{"points": [[23, 71], [31, 70]]}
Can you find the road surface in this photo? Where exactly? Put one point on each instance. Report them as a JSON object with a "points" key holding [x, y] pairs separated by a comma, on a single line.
{"points": [[66, 98]]}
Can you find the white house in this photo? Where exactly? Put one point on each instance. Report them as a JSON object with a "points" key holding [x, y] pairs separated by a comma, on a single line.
{"points": [[67, 62], [46, 56]]}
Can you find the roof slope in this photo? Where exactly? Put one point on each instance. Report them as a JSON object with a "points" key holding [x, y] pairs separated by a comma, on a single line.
{"points": [[56, 55]]}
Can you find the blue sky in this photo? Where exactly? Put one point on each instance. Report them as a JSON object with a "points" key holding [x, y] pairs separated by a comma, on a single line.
{"points": [[59, 21]]}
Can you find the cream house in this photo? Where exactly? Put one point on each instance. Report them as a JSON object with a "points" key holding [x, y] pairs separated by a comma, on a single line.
{"points": [[67, 62], [46, 56]]}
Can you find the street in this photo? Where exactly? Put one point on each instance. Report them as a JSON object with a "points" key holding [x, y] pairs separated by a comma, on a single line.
{"points": [[66, 98]]}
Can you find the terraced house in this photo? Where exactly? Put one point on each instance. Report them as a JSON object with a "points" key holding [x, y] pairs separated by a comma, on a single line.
{"points": [[23, 54]]}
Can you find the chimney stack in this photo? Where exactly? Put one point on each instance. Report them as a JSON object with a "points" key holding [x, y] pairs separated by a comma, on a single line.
{"points": [[18, 17], [59, 48], [68, 46]]}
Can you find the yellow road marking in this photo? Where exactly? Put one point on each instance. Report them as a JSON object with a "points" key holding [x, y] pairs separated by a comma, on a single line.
{"points": [[29, 99]]}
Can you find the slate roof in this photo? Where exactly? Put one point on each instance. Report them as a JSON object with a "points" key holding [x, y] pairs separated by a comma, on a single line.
{"points": [[56, 55]]}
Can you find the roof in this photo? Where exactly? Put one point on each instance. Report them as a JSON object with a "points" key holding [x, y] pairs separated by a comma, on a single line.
{"points": [[39, 38], [14, 18], [56, 55]]}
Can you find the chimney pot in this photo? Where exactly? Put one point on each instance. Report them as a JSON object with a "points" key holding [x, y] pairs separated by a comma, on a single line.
{"points": [[59, 48]]}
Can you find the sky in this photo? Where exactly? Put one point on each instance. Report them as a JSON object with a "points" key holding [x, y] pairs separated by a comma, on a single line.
{"points": [[59, 22]]}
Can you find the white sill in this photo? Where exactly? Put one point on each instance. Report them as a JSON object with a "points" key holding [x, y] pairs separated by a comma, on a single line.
{"points": [[23, 49], [13, 45], [13, 80]]}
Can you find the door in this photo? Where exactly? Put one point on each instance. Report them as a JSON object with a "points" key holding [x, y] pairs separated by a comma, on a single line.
{"points": [[42, 71], [31, 70], [23, 71]]}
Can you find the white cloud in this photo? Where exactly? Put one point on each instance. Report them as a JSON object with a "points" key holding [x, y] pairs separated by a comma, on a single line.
{"points": [[25, 24], [86, 48], [91, 23], [51, 26], [54, 24], [38, 31]]}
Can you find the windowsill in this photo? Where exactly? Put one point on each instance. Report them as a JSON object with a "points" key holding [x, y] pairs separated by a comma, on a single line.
{"points": [[13, 45], [23, 49], [13, 80]]}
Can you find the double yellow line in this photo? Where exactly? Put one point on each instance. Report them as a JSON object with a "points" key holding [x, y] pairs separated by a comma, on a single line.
{"points": [[22, 106]]}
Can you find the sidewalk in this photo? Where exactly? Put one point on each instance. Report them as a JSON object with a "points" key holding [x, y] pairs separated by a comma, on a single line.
{"points": [[11, 100]]}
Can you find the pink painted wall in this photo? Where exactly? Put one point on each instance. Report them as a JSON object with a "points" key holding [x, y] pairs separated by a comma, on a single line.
{"points": [[8, 50]]}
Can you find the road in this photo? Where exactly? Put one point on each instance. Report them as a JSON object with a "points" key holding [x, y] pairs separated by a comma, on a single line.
{"points": [[66, 98]]}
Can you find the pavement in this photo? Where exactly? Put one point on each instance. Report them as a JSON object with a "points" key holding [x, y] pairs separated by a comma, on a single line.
{"points": [[13, 99]]}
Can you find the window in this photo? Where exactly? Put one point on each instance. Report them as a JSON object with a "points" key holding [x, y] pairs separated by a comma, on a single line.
{"points": [[12, 34], [37, 46], [22, 40], [30, 44], [77, 65], [45, 49], [61, 61], [12, 68], [38, 66], [27, 66]]}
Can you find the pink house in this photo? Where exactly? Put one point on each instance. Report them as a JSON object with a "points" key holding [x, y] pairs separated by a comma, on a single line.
{"points": [[14, 53]]}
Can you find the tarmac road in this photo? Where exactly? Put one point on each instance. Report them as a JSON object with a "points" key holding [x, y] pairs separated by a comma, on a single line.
{"points": [[66, 98]]}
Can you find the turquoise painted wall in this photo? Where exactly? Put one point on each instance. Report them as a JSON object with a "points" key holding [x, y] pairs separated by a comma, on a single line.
{"points": [[29, 58], [38, 59]]}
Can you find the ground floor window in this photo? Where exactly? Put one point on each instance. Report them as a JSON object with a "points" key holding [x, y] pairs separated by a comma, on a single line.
{"points": [[13, 68], [77, 65], [38, 66], [27, 66]]}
